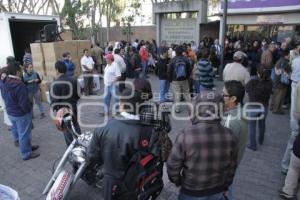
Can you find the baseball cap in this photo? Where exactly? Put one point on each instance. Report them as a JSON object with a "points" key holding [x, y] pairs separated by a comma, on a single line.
{"points": [[239, 55]]}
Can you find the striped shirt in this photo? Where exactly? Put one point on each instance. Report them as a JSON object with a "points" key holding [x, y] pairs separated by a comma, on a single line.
{"points": [[206, 75]]}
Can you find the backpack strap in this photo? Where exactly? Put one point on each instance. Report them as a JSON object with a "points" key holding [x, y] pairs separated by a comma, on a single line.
{"points": [[144, 140]]}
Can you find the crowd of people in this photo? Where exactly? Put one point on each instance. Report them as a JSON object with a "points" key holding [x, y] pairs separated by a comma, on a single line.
{"points": [[207, 152]]}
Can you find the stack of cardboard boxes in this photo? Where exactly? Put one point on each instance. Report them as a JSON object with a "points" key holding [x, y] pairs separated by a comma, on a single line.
{"points": [[44, 56]]}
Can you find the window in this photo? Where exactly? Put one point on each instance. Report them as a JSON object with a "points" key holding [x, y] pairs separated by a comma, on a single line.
{"points": [[258, 32], [180, 15]]}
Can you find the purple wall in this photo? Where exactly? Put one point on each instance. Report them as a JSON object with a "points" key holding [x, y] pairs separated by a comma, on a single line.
{"points": [[237, 4]]}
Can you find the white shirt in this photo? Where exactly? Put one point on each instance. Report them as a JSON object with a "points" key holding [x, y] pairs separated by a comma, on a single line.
{"points": [[87, 61], [120, 62], [236, 71], [295, 77], [111, 73]]}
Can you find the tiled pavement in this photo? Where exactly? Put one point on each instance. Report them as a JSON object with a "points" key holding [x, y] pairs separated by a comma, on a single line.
{"points": [[258, 176]]}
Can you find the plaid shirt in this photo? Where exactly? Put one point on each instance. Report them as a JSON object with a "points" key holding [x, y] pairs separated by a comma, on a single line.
{"points": [[203, 159], [149, 116]]}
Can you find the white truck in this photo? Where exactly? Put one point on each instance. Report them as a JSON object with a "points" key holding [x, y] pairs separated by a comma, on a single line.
{"points": [[18, 30]]}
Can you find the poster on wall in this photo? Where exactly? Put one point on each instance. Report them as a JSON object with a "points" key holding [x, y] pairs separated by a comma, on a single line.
{"points": [[177, 31], [241, 4]]}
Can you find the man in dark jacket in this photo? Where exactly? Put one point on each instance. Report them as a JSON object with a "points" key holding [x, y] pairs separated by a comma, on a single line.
{"points": [[63, 93], [135, 62], [114, 144], [164, 84], [179, 72], [18, 106], [204, 157]]}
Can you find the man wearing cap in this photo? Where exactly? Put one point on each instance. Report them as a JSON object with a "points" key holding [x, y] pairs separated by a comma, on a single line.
{"points": [[236, 71], [112, 75]]}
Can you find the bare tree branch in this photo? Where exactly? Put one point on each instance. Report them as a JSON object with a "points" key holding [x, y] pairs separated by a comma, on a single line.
{"points": [[41, 6], [54, 7], [23, 6], [2, 7], [9, 5]]}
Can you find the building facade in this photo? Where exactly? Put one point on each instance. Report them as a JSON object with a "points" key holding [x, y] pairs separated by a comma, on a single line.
{"points": [[188, 20], [178, 21], [257, 19]]}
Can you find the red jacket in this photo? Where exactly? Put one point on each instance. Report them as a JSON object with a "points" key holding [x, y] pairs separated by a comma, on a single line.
{"points": [[144, 54]]}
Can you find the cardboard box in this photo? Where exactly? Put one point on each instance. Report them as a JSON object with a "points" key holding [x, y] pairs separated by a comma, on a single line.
{"points": [[53, 51], [71, 47], [45, 85], [66, 35], [39, 67], [78, 67], [46, 54], [50, 68], [37, 52], [81, 45]]}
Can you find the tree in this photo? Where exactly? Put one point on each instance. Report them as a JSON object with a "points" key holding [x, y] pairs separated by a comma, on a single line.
{"points": [[29, 6], [91, 8], [127, 20], [126, 30], [111, 9], [74, 16]]}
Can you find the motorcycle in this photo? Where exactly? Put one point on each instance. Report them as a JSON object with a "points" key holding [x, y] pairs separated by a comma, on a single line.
{"points": [[63, 179]]}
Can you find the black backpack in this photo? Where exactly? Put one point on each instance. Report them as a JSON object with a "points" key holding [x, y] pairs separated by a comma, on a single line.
{"points": [[143, 177]]}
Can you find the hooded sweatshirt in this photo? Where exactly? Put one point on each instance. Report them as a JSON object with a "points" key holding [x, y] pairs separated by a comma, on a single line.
{"points": [[15, 96]]}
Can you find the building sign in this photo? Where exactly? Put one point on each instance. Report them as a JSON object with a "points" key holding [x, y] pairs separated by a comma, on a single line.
{"points": [[270, 19], [240, 4], [176, 31]]}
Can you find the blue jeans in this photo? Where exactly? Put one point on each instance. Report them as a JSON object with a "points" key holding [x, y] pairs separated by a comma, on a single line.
{"points": [[230, 193], [164, 86], [197, 86], [294, 130], [37, 98], [110, 92], [21, 130], [218, 196], [262, 115], [144, 69]]}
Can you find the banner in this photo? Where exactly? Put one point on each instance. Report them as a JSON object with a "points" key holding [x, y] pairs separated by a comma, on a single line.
{"points": [[240, 4]]}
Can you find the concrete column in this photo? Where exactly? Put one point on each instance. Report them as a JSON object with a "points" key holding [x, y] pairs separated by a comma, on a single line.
{"points": [[158, 27], [202, 18], [221, 30]]}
